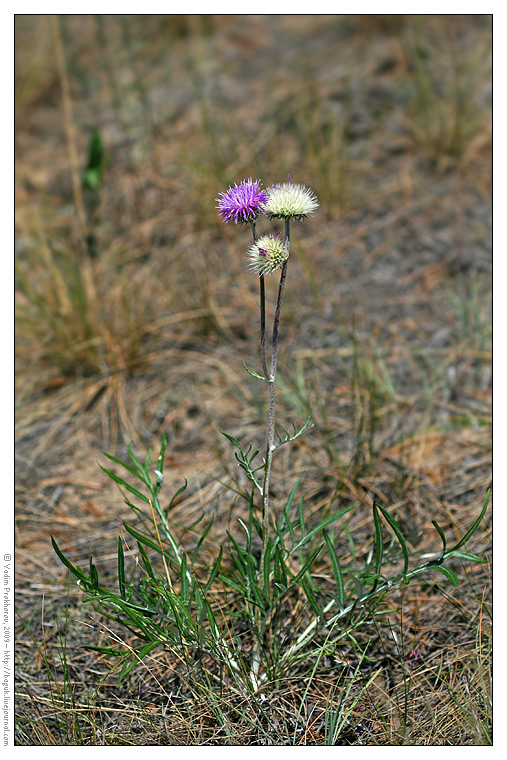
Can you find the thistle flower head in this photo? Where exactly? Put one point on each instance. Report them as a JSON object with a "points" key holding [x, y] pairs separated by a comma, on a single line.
{"points": [[290, 201], [242, 203], [267, 255]]}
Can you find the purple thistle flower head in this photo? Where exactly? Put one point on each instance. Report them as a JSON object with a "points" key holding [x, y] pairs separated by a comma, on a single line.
{"points": [[242, 203]]}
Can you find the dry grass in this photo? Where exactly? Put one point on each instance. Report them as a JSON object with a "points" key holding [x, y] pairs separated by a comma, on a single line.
{"points": [[134, 313]]}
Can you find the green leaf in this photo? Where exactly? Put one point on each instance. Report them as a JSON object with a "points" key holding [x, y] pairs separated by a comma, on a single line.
{"points": [[340, 586], [121, 569], [399, 535], [137, 657], [111, 651], [202, 538], [142, 538], [280, 570], [231, 439], [185, 589], [474, 527], [135, 460], [122, 483], [147, 562], [161, 456], [309, 562], [214, 572], [124, 465], [442, 537], [254, 374], [449, 574], [295, 433], [327, 521], [76, 571], [311, 598], [180, 490], [379, 540], [466, 555], [94, 576], [147, 460]]}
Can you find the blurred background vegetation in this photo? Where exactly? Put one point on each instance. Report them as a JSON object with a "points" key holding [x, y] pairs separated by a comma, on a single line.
{"points": [[134, 308]]}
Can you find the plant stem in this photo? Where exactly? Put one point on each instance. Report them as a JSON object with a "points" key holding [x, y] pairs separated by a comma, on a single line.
{"points": [[262, 301], [264, 576]]}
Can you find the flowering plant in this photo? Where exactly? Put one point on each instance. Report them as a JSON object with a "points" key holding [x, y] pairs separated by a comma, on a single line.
{"points": [[167, 598]]}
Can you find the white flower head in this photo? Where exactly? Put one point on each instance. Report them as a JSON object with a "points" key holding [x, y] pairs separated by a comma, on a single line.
{"points": [[289, 201], [267, 255]]}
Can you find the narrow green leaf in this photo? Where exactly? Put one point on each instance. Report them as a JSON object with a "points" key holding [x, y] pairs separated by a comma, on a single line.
{"points": [[327, 521], [76, 571], [185, 591], [124, 465], [161, 456], [147, 460], [122, 483], [231, 439], [104, 650], [449, 574], [442, 537], [214, 572], [399, 535], [309, 562], [121, 569], [147, 562], [134, 459], [466, 555], [202, 538], [301, 517], [254, 374], [94, 576], [178, 492], [474, 527], [309, 595], [379, 540], [136, 658], [280, 570], [340, 586], [142, 538]]}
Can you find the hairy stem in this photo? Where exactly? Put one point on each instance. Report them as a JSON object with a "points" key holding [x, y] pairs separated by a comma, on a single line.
{"points": [[262, 302], [270, 447]]}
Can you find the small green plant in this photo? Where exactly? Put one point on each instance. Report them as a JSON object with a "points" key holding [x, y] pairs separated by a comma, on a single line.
{"points": [[168, 589]]}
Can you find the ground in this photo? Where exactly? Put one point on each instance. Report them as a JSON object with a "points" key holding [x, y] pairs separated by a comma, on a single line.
{"points": [[136, 312]]}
